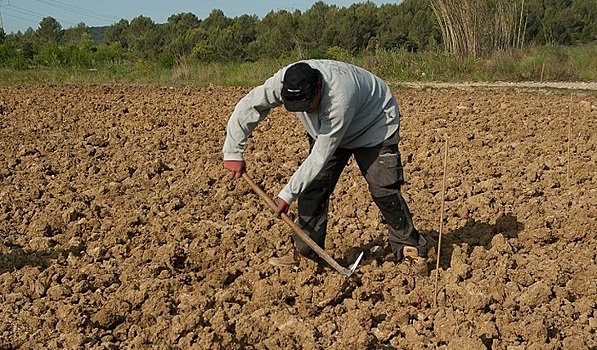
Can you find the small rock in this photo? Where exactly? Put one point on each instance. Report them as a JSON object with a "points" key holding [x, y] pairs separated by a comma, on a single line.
{"points": [[58, 292]]}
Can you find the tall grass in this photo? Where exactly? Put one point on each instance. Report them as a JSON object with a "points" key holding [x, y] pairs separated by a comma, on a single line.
{"points": [[552, 63], [471, 28]]}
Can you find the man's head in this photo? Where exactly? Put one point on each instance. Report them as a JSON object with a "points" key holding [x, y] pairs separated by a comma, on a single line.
{"points": [[300, 87]]}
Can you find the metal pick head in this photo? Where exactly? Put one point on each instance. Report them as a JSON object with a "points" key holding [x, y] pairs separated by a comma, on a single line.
{"points": [[354, 266]]}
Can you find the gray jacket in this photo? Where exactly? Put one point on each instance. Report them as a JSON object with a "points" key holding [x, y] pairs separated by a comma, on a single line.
{"points": [[357, 110]]}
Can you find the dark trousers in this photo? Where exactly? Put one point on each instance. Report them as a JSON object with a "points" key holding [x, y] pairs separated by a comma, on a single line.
{"points": [[382, 168]]}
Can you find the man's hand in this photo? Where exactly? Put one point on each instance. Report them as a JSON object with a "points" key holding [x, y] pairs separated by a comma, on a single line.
{"points": [[282, 207], [236, 167]]}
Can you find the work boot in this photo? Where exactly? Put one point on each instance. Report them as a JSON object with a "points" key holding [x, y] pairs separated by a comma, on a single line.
{"points": [[412, 263], [292, 258]]}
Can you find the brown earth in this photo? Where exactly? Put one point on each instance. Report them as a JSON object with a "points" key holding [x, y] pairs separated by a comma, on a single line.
{"points": [[121, 229]]}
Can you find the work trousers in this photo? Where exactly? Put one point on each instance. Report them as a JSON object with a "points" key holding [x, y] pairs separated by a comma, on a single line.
{"points": [[382, 168]]}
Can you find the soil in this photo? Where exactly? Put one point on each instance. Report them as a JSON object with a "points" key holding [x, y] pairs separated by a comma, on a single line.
{"points": [[120, 228]]}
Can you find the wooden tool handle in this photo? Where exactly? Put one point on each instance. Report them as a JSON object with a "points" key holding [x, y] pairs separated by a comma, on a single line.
{"points": [[299, 231]]}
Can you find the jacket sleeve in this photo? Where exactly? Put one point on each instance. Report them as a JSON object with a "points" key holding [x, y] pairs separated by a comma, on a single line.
{"points": [[249, 111]]}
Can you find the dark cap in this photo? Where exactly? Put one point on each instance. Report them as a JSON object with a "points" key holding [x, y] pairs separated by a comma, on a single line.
{"points": [[299, 87]]}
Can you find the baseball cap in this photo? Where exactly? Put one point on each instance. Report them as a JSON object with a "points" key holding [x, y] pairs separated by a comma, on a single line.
{"points": [[299, 87]]}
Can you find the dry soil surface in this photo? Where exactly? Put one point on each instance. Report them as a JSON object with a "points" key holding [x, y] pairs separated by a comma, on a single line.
{"points": [[119, 227]]}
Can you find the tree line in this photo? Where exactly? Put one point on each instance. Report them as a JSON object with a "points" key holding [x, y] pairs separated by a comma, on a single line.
{"points": [[458, 27]]}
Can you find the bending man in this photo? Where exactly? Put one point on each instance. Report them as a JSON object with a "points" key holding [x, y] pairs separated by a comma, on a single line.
{"points": [[346, 111]]}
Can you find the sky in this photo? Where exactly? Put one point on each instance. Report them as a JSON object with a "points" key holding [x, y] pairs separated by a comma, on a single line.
{"points": [[18, 15]]}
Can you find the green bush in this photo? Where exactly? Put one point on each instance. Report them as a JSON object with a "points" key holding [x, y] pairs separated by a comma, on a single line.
{"points": [[10, 57], [167, 60], [205, 52], [338, 53], [109, 54], [49, 55]]}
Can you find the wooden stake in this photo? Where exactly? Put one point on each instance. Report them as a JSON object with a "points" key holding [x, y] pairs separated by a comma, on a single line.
{"points": [[569, 137], [441, 223]]}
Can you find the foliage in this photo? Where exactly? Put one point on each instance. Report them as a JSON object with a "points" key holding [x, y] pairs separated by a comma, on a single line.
{"points": [[50, 31], [432, 28], [10, 57], [537, 63], [338, 53]]}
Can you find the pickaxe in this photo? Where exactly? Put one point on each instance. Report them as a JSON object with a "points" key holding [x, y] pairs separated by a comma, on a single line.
{"points": [[302, 234]]}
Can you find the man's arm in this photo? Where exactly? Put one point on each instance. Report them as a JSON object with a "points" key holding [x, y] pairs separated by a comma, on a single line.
{"points": [[334, 122], [249, 111]]}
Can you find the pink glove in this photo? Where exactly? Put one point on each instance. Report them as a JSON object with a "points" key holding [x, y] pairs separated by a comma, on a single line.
{"points": [[236, 167], [282, 207]]}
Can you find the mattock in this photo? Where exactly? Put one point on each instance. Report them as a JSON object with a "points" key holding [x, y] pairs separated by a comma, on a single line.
{"points": [[302, 234]]}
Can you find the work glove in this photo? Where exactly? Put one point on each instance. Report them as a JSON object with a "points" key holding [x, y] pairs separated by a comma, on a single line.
{"points": [[282, 207], [236, 167]]}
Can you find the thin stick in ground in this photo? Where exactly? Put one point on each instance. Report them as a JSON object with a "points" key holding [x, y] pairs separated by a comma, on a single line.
{"points": [[568, 143], [441, 222]]}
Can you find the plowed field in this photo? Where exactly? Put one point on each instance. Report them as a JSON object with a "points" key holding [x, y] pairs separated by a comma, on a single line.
{"points": [[120, 228]]}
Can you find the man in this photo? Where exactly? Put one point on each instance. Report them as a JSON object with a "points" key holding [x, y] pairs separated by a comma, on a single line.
{"points": [[346, 111]]}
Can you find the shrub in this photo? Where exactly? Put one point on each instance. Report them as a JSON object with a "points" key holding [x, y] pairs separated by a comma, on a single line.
{"points": [[10, 57]]}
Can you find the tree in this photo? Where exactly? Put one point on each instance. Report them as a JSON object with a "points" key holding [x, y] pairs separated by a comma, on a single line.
{"points": [[215, 22], [393, 30], [563, 22], [353, 27], [276, 35], [214, 26], [312, 24], [235, 38], [183, 22], [180, 34], [117, 32], [421, 31], [587, 17], [75, 34], [49, 31], [144, 37]]}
